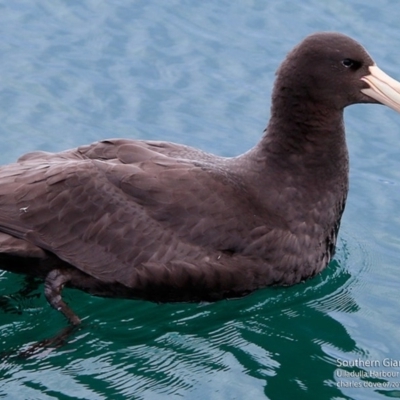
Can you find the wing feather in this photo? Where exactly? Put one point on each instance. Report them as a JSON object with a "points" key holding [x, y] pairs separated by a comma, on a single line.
{"points": [[110, 210]]}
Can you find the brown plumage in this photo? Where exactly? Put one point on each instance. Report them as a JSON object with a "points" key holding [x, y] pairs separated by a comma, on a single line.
{"points": [[167, 222]]}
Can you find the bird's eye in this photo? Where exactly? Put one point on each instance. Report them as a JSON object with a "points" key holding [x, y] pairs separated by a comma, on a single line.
{"points": [[352, 64], [348, 63]]}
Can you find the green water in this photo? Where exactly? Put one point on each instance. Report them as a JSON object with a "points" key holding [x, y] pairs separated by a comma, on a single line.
{"points": [[201, 73], [228, 350]]}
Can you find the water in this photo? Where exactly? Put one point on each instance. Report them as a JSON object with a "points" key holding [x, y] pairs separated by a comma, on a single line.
{"points": [[200, 73]]}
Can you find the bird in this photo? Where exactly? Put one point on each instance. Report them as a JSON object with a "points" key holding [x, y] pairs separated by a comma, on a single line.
{"points": [[166, 222]]}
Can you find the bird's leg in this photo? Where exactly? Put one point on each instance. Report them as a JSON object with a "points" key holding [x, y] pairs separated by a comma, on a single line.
{"points": [[53, 286]]}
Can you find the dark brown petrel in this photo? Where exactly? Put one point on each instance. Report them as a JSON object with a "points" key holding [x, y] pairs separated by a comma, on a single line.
{"points": [[167, 222]]}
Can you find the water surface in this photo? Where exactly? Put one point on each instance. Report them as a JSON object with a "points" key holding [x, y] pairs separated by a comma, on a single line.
{"points": [[201, 73]]}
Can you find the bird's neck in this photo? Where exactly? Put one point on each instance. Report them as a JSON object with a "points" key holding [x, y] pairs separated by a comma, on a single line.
{"points": [[305, 134], [301, 147]]}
